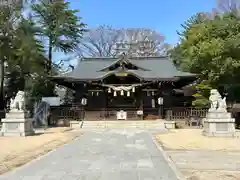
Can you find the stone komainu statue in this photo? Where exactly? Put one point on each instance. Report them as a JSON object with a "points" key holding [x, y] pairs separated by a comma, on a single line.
{"points": [[218, 104], [18, 103]]}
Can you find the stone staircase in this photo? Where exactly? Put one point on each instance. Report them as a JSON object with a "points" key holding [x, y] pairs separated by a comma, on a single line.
{"points": [[145, 124]]}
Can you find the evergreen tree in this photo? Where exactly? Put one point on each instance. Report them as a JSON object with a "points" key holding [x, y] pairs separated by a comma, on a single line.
{"points": [[59, 25]]}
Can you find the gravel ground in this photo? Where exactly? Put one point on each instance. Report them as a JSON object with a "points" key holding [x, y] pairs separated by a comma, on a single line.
{"points": [[16, 151], [202, 158], [191, 139]]}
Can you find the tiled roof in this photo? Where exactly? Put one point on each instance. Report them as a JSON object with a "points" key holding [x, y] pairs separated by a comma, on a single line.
{"points": [[157, 68]]}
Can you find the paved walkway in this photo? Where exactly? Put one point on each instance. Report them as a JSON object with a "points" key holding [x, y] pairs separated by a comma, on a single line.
{"points": [[112, 154]]}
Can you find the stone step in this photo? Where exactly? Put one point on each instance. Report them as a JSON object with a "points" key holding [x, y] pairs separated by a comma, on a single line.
{"points": [[123, 124]]}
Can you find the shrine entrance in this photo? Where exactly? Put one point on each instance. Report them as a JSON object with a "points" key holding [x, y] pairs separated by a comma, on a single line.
{"points": [[124, 98], [121, 102], [122, 90]]}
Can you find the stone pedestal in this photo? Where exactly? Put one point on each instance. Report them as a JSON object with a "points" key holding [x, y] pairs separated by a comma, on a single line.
{"points": [[16, 123], [76, 124], [219, 124], [170, 124]]}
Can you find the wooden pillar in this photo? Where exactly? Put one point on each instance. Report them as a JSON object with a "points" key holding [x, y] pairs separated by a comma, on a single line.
{"points": [[160, 106], [141, 101], [141, 96], [79, 94], [105, 103]]}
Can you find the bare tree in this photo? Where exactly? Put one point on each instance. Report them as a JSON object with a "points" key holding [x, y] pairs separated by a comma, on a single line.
{"points": [[106, 41], [228, 6], [144, 42], [99, 42]]}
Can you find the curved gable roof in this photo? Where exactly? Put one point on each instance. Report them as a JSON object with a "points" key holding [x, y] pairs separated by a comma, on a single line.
{"points": [[160, 67], [150, 68], [126, 60]]}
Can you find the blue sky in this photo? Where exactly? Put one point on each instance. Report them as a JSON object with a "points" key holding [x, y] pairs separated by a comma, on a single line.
{"points": [[164, 16]]}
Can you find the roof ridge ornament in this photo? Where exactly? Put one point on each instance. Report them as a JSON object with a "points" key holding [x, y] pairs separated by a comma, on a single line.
{"points": [[123, 60], [124, 56]]}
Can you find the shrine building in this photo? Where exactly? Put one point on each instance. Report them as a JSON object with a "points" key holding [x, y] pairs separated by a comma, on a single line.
{"points": [[143, 87]]}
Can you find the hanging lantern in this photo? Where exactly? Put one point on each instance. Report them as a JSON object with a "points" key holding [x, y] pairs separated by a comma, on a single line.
{"points": [[97, 93], [128, 93], [109, 90], [160, 101], [133, 89], [115, 93], [148, 93], [153, 103], [84, 101], [122, 92], [92, 93], [152, 93]]}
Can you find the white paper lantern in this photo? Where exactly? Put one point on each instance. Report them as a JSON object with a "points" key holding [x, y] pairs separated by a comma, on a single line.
{"points": [[84, 101], [160, 101]]}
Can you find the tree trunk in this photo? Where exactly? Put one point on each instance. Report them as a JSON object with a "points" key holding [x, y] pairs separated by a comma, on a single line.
{"points": [[49, 64], [2, 73]]}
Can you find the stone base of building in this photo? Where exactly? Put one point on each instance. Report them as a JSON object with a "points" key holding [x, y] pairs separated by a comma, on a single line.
{"points": [[154, 124], [219, 124], [15, 124]]}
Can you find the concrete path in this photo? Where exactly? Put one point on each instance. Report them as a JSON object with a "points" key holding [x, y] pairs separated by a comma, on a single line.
{"points": [[112, 154]]}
